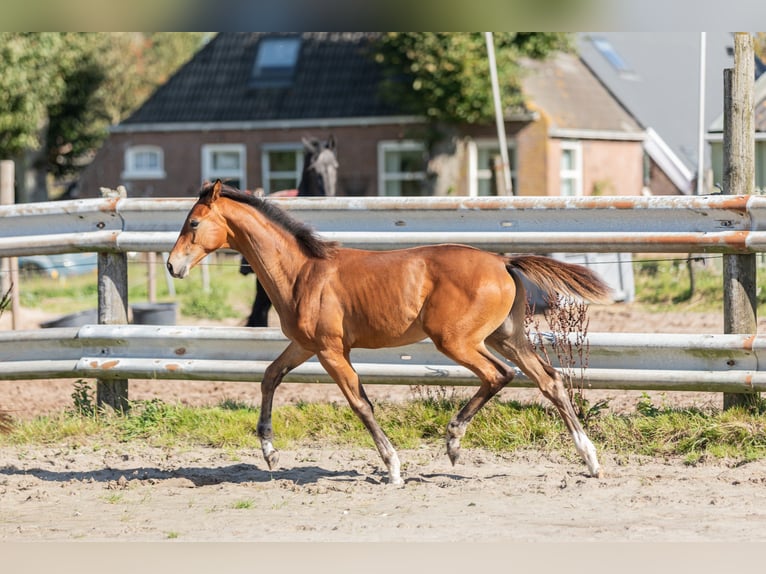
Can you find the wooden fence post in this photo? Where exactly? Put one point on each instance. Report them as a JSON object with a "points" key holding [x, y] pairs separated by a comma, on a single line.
{"points": [[9, 267], [112, 310], [739, 276]]}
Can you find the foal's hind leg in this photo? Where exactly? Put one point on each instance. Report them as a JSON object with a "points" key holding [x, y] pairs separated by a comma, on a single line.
{"points": [[494, 375], [290, 358], [514, 345]]}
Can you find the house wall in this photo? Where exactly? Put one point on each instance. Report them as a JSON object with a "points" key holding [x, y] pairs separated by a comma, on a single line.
{"points": [[608, 167], [533, 160], [357, 152], [716, 160], [659, 182], [612, 167]]}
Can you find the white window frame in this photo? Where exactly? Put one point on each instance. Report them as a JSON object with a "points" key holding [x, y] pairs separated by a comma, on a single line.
{"points": [[575, 174], [395, 146], [476, 172], [209, 173], [132, 171], [268, 174]]}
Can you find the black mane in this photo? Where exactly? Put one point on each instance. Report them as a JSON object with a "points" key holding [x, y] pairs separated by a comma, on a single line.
{"points": [[310, 242]]}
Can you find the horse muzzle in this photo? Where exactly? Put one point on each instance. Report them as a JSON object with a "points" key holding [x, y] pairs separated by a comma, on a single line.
{"points": [[179, 272]]}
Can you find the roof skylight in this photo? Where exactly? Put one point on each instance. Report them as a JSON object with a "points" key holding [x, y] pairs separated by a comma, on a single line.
{"points": [[606, 49], [275, 62]]}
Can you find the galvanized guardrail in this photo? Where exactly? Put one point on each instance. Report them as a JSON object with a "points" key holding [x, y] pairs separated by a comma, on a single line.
{"points": [[717, 223], [722, 224], [717, 363]]}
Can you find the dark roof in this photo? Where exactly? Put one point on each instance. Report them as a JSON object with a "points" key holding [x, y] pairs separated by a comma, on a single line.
{"points": [[572, 98], [335, 78]]}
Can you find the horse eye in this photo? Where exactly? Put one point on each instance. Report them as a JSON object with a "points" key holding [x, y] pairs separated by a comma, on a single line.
{"points": [[194, 223]]}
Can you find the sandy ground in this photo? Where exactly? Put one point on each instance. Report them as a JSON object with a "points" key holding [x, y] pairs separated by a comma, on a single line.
{"points": [[137, 493]]}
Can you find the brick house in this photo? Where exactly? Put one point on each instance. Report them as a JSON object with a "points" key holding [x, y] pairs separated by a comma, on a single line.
{"points": [[239, 108]]}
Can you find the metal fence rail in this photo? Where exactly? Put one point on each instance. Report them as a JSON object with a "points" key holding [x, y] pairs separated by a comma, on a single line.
{"points": [[717, 363], [724, 224]]}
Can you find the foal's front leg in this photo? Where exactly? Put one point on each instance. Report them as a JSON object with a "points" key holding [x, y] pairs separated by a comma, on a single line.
{"points": [[338, 366], [290, 358]]}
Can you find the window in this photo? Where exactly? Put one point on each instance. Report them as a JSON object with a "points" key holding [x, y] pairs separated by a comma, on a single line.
{"points": [[225, 162], [401, 168], [571, 168], [282, 166], [144, 162], [760, 166], [275, 62], [611, 55], [485, 153]]}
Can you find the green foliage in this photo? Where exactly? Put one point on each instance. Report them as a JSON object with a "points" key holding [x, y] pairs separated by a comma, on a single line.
{"points": [[665, 284], [661, 431], [31, 82], [83, 399], [231, 294], [211, 305], [445, 76], [61, 90], [646, 407], [65, 295]]}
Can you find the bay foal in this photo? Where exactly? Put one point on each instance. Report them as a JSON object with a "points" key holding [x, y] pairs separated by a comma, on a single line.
{"points": [[331, 299]]}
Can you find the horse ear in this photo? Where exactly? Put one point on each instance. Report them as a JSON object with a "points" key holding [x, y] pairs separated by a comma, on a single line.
{"points": [[330, 143], [310, 144], [216, 193]]}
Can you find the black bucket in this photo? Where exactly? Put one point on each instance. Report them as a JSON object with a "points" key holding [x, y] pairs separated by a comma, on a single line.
{"points": [[87, 317], [154, 313]]}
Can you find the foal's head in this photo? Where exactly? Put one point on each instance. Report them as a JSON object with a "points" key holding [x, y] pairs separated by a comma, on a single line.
{"points": [[204, 231], [207, 228]]}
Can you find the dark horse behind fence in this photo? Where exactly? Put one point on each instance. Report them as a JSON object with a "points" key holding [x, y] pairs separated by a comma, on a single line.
{"points": [[331, 299], [318, 178]]}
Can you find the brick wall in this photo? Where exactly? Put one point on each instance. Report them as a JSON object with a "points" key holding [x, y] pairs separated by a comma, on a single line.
{"points": [[357, 149], [609, 167]]}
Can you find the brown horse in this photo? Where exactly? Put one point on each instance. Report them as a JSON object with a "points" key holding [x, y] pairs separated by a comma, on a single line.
{"points": [[331, 299]]}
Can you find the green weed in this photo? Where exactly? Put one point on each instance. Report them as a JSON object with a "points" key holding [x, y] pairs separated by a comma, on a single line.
{"points": [[502, 426]]}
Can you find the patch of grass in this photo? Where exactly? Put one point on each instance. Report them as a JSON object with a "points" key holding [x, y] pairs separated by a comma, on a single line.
{"points": [[68, 295], [664, 285], [243, 504], [230, 295], [659, 431], [114, 498]]}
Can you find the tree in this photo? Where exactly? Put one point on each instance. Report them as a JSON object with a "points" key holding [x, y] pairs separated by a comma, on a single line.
{"points": [[62, 90], [115, 73], [444, 76], [30, 84]]}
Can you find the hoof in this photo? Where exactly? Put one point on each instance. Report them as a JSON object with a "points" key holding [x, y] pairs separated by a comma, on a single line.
{"points": [[453, 452], [272, 459], [599, 473], [396, 482]]}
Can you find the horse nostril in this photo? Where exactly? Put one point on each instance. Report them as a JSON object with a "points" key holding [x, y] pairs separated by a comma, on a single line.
{"points": [[170, 267]]}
